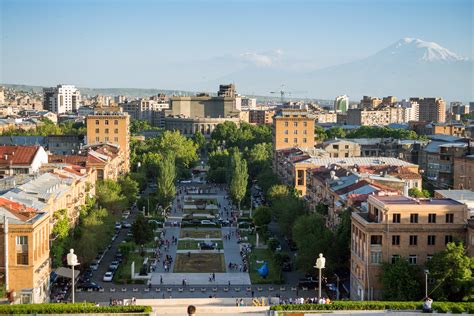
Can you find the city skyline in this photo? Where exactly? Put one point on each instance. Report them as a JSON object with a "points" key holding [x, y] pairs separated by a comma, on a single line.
{"points": [[193, 45]]}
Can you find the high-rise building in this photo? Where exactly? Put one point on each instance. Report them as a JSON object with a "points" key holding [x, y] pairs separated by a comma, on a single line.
{"points": [[61, 99], [389, 100], [431, 109], [226, 90], [341, 104], [110, 125], [248, 103], [293, 128], [411, 110], [369, 102]]}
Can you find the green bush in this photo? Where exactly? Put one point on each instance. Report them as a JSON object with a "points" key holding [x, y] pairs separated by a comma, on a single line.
{"points": [[61, 308], [440, 307]]}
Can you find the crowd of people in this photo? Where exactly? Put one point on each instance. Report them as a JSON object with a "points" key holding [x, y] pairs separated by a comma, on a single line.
{"points": [[307, 300]]}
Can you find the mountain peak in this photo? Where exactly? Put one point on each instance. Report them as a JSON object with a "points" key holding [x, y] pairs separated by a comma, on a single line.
{"points": [[419, 50]]}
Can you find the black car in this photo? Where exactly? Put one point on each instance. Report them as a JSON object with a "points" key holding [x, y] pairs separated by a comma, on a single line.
{"points": [[89, 285], [86, 275]]}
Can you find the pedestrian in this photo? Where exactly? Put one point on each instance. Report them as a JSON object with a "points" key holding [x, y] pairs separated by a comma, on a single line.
{"points": [[253, 293], [161, 279], [213, 277], [427, 305]]}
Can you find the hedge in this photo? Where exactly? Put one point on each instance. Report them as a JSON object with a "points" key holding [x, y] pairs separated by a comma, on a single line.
{"points": [[440, 307], [62, 308]]}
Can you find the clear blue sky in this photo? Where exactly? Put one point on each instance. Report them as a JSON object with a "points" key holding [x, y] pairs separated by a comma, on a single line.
{"points": [[161, 44]]}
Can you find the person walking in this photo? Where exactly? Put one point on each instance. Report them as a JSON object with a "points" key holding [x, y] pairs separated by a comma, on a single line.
{"points": [[427, 305]]}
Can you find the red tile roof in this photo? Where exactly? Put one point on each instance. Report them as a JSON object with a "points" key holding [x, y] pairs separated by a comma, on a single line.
{"points": [[19, 210], [17, 155]]}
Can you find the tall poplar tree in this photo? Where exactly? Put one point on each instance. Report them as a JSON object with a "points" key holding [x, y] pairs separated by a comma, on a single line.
{"points": [[166, 188], [238, 183]]}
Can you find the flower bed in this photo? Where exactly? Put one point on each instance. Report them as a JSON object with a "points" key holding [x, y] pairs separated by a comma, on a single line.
{"points": [[78, 308]]}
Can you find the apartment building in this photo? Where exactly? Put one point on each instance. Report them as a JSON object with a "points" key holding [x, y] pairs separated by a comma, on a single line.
{"points": [[326, 117], [261, 116], [369, 102], [341, 104], [463, 176], [379, 117], [396, 227], [61, 99], [144, 109], [341, 148], [110, 126], [293, 128], [431, 109], [21, 160], [24, 252], [453, 129]]}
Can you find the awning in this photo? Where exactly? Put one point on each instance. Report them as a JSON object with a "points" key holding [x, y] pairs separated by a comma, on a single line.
{"points": [[66, 272]]}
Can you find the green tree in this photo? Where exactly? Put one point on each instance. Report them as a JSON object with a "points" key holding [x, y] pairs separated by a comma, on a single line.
{"points": [[401, 281], [238, 184], [415, 192], [166, 188], [266, 179], [128, 188], [319, 134], [451, 270], [262, 216], [336, 132], [278, 191], [109, 195], [184, 149], [219, 162], [259, 157], [142, 230], [200, 141]]}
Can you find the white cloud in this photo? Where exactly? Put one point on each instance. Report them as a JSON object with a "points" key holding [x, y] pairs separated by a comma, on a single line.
{"points": [[262, 60]]}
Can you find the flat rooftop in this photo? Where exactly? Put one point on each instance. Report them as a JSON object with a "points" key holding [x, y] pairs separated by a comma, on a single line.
{"points": [[403, 200], [360, 161]]}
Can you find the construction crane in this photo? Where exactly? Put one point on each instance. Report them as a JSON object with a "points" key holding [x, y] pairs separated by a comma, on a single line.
{"points": [[283, 92]]}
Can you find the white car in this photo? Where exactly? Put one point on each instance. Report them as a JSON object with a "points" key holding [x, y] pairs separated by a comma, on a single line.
{"points": [[207, 222], [127, 225], [108, 276], [94, 265], [118, 225]]}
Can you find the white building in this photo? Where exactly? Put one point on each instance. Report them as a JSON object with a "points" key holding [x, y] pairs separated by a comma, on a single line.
{"points": [[248, 103], [61, 99], [341, 104], [411, 110]]}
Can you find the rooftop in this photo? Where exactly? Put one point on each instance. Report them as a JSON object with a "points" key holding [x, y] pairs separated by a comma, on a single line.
{"points": [[403, 200], [17, 155], [359, 161]]}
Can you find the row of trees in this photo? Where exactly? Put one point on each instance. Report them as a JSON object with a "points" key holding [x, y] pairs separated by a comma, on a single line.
{"points": [[365, 132]]}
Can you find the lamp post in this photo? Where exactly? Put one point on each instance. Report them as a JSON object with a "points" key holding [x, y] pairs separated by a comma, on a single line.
{"points": [[72, 261], [426, 282], [320, 264], [337, 286]]}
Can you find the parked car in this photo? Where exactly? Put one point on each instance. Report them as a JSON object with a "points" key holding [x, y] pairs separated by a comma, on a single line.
{"points": [[118, 225], [126, 214], [114, 265], [94, 265], [127, 225], [108, 276], [89, 285], [207, 222], [86, 275], [114, 237]]}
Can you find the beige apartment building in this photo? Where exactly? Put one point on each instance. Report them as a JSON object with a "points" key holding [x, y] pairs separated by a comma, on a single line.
{"points": [[464, 172], [110, 125], [261, 116], [24, 236], [340, 148], [293, 128], [400, 227], [431, 109], [379, 117]]}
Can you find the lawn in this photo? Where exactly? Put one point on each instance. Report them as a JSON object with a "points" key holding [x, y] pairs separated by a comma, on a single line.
{"points": [[122, 275], [199, 262], [274, 271], [193, 244], [201, 233]]}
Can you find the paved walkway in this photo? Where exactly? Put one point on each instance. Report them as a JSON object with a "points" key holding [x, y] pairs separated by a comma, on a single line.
{"points": [[197, 279]]}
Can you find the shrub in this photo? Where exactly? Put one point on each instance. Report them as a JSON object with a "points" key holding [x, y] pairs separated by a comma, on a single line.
{"points": [[61, 308]]}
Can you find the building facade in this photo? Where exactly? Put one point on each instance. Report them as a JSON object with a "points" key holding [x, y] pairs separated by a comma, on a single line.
{"points": [[464, 172], [341, 104], [61, 99], [261, 116], [293, 128], [431, 109]]}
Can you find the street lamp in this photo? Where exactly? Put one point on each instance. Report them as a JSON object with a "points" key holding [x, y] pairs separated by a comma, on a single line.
{"points": [[426, 282], [72, 261], [320, 264], [337, 286]]}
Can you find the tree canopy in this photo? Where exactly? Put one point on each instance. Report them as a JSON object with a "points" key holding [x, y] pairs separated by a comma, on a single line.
{"points": [[401, 281], [239, 180]]}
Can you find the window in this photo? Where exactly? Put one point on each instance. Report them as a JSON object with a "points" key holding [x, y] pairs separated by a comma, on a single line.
{"points": [[295, 132], [116, 139], [106, 130], [375, 257], [396, 218], [305, 132], [285, 140], [431, 218], [106, 139], [115, 122], [395, 258], [97, 131], [97, 139], [412, 259], [429, 257], [376, 239], [305, 124], [346, 155], [304, 140], [116, 131], [449, 218], [295, 140], [347, 146], [96, 122], [396, 240], [431, 240], [286, 132], [413, 240], [22, 250], [295, 124], [448, 239], [413, 218], [106, 122]]}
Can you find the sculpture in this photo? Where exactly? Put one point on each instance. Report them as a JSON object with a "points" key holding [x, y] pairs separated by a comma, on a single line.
{"points": [[72, 258], [263, 270], [320, 262]]}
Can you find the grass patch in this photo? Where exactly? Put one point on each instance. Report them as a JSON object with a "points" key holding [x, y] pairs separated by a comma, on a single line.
{"points": [[193, 244], [273, 277], [122, 275], [251, 238], [199, 262], [191, 233]]}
